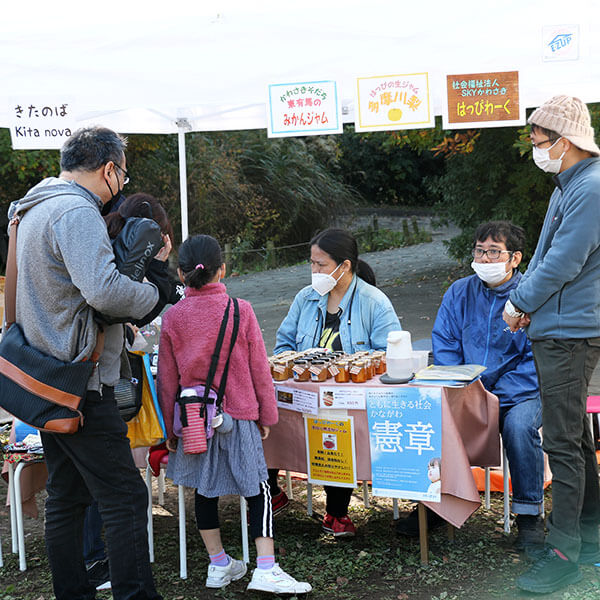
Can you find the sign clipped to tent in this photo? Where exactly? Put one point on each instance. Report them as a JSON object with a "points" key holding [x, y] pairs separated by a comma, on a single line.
{"points": [[40, 122], [483, 100], [306, 108], [393, 102]]}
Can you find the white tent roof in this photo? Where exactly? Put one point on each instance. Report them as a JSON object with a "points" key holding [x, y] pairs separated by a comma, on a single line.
{"points": [[139, 66]]}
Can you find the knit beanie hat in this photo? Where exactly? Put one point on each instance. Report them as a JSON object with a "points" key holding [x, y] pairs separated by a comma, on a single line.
{"points": [[570, 118]]}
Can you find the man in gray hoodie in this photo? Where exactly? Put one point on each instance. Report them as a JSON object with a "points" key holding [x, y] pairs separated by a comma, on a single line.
{"points": [[66, 272]]}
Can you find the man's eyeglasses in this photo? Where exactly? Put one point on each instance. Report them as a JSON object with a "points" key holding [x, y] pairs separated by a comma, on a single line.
{"points": [[549, 140], [492, 253], [126, 178]]}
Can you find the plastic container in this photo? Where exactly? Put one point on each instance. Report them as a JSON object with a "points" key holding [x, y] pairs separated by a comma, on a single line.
{"points": [[398, 356]]}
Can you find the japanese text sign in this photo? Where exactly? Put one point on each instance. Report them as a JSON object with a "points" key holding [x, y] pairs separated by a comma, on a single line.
{"points": [[483, 100], [393, 102], [309, 108], [560, 42], [405, 434], [330, 451], [40, 122], [298, 400]]}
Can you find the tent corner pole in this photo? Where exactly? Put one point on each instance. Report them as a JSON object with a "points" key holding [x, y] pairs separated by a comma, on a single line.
{"points": [[182, 127]]}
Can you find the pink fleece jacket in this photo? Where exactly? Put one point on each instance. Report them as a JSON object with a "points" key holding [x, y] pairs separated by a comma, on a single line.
{"points": [[187, 340]]}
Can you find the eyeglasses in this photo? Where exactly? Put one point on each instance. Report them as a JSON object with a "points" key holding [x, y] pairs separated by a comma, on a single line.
{"points": [[126, 178], [538, 144], [492, 253]]}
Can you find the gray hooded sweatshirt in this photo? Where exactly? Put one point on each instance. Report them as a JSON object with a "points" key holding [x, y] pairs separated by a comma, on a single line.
{"points": [[66, 269]]}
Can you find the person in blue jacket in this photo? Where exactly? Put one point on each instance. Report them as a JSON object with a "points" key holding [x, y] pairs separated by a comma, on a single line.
{"points": [[341, 310], [558, 300], [469, 329]]}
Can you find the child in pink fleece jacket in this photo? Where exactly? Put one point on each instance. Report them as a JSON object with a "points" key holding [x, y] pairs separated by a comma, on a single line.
{"points": [[234, 462]]}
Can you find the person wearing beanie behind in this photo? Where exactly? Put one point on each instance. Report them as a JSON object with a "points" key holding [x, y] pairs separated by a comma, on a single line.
{"points": [[341, 310], [558, 301], [232, 461]]}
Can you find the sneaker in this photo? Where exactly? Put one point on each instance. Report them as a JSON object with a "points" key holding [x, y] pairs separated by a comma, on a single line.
{"points": [[589, 554], [342, 527], [219, 577], [279, 502], [409, 526], [549, 573], [277, 581], [99, 574], [530, 537]]}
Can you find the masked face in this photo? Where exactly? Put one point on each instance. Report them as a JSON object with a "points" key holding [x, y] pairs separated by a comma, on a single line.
{"points": [[323, 283], [490, 273], [541, 157]]}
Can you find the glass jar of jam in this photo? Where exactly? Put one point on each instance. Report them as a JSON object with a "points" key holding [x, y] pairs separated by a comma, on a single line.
{"points": [[358, 371], [300, 370], [319, 371], [380, 365], [340, 371], [280, 370]]}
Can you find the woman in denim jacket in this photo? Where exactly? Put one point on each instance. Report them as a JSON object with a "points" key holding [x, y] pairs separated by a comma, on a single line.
{"points": [[341, 310]]}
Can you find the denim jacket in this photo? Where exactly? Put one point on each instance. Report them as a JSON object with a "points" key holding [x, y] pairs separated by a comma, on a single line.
{"points": [[367, 316]]}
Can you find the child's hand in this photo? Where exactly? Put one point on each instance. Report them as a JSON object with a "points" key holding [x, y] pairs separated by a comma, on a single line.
{"points": [[164, 252], [264, 431], [171, 444]]}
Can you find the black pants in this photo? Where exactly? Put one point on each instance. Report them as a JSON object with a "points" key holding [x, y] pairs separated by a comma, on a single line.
{"points": [[338, 498], [96, 464], [564, 368], [259, 507]]}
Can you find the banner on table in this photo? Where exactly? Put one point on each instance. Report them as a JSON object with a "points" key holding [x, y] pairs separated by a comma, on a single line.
{"points": [[40, 122], [393, 102], [305, 108], [330, 451], [560, 42], [405, 435], [483, 100]]}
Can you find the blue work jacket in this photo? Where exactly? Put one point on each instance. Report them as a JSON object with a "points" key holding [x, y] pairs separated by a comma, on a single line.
{"points": [[469, 329], [367, 316]]}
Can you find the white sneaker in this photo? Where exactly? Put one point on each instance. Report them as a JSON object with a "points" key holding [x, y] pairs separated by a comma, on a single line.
{"points": [[219, 577], [276, 580]]}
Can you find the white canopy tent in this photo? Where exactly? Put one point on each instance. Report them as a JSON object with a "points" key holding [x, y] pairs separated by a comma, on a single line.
{"points": [[172, 67]]}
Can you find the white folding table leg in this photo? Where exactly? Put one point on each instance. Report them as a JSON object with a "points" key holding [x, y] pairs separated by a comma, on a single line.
{"points": [[244, 520], [161, 487], [487, 488], [150, 523], [1, 559], [366, 494], [13, 512], [182, 540], [505, 476], [19, 511], [395, 508], [309, 508], [288, 485]]}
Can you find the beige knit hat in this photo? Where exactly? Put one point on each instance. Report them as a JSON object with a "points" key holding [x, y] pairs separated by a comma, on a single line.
{"points": [[570, 118]]}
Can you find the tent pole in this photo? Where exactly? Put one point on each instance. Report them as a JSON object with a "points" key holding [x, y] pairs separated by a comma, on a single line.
{"points": [[183, 126]]}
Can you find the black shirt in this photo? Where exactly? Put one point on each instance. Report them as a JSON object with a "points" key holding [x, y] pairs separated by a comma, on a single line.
{"points": [[330, 338]]}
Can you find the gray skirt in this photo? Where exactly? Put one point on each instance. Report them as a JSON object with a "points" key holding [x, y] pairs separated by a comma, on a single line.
{"points": [[234, 463]]}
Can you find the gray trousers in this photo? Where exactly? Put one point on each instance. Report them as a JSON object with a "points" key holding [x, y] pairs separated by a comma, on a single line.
{"points": [[564, 368]]}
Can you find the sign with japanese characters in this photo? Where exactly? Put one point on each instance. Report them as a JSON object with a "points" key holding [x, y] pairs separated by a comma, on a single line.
{"points": [[296, 399], [560, 42], [40, 122], [330, 451], [483, 100], [344, 397], [309, 108], [405, 434], [393, 102]]}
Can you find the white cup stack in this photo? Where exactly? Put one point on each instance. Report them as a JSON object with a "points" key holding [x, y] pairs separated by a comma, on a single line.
{"points": [[398, 355]]}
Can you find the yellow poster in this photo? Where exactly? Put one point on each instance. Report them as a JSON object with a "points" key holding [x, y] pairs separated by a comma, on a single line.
{"points": [[331, 454]]}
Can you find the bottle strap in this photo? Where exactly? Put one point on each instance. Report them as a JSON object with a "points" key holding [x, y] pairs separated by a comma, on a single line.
{"points": [[214, 361], [234, 333]]}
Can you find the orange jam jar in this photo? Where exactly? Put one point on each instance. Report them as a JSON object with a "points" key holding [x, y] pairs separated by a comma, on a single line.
{"points": [[340, 371], [319, 371], [280, 370], [300, 370], [358, 371]]}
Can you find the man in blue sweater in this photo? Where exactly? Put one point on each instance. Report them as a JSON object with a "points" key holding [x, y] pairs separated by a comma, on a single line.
{"points": [[469, 329], [558, 300]]}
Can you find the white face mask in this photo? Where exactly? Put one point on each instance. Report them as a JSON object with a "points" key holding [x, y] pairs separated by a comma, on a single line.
{"points": [[323, 283], [490, 273], [541, 157]]}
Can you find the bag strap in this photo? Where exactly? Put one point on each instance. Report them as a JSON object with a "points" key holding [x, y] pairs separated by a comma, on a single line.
{"points": [[10, 288], [214, 361], [234, 333]]}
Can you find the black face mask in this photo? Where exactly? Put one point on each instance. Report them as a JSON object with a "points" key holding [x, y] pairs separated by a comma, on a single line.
{"points": [[113, 204]]}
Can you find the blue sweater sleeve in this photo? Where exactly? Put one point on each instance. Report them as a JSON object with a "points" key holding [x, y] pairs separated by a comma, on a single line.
{"points": [[446, 334]]}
